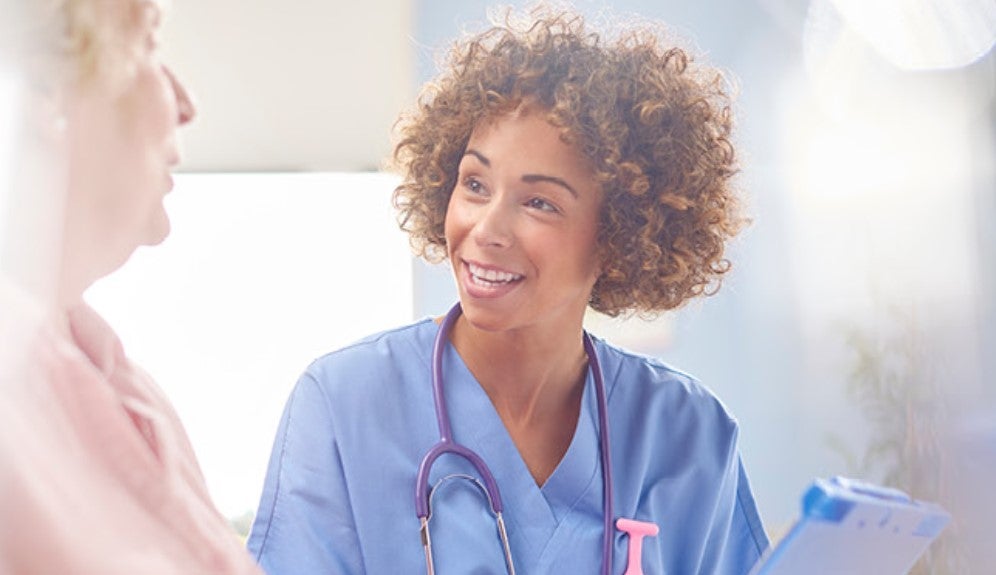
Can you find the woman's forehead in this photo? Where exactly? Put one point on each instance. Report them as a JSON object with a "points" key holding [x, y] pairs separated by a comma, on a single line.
{"points": [[158, 5], [151, 12], [122, 20]]}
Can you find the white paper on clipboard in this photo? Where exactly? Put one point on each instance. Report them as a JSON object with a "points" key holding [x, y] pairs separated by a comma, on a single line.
{"points": [[854, 528]]}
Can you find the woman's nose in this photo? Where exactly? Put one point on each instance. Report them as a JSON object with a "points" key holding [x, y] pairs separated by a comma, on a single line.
{"points": [[495, 224], [186, 110]]}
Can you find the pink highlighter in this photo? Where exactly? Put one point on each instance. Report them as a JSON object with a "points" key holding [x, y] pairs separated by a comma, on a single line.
{"points": [[636, 530]]}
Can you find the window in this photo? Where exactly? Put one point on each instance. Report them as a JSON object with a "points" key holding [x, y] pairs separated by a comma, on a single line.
{"points": [[261, 274]]}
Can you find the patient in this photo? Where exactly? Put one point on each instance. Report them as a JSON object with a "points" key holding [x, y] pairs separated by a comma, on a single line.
{"points": [[96, 472]]}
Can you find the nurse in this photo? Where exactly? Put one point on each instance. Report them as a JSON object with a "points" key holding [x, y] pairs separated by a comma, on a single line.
{"points": [[556, 169]]}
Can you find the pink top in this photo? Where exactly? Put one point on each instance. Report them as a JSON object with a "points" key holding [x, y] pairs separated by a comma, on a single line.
{"points": [[96, 472]]}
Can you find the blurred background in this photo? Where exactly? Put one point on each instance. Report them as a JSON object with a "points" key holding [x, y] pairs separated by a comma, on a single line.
{"points": [[855, 336]]}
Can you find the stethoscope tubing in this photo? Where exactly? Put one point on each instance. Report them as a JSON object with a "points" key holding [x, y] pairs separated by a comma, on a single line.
{"points": [[608, 511], [446, 443]]}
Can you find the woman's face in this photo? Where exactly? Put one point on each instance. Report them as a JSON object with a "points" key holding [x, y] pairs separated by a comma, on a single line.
{"points": [[521, 226], [122, 145]]}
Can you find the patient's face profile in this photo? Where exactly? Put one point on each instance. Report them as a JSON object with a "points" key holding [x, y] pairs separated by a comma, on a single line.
{"points": [[122, 144]]}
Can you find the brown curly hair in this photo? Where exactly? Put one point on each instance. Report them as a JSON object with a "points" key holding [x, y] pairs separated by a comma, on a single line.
{"points": [[654, 125]]}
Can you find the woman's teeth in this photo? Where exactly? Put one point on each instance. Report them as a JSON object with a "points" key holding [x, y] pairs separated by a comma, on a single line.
{"points": [[490, 277]]}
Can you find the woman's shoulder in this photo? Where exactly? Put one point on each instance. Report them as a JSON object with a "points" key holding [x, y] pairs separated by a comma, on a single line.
{"points": [[649, 381], [647, 370], [379, 354]]}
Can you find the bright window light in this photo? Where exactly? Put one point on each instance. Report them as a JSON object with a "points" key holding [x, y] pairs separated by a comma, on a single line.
{"points": [[261, 274]]}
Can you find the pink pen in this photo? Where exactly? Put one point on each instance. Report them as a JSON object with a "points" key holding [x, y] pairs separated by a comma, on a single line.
{"points": [[636, 530]]}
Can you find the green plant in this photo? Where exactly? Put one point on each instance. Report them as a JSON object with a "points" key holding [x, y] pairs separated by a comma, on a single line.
{"points": [[894, 382]]}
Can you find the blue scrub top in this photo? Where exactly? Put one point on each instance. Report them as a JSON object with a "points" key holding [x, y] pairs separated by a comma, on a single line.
{"points": [[339, 494]]}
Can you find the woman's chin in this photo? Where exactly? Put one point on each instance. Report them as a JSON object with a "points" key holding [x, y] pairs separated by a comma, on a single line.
{"points": [[157, 231]]}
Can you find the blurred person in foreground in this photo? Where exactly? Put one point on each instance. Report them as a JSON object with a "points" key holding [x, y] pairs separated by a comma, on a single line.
{"points": [[96, 472]]}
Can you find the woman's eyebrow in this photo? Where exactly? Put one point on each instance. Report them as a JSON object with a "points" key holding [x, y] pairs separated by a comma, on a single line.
{"points": [[533, 178], [528, 178], [472, 152]]}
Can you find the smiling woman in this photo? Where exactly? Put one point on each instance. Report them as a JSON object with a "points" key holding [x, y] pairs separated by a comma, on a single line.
{"points": [[96, 472], [557, 169]]}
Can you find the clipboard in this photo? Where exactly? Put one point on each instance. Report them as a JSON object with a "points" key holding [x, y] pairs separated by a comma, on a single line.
{"points": [[849, 527]]}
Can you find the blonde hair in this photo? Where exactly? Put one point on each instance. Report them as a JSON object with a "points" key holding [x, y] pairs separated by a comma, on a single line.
{"points": [[55, 42]]}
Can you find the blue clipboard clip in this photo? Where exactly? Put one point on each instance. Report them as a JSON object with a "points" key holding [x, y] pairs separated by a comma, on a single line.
{"points": [[855, 528]]}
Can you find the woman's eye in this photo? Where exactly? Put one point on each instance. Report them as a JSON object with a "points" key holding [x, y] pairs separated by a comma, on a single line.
{"points": [[541, 204], [473, 186]]}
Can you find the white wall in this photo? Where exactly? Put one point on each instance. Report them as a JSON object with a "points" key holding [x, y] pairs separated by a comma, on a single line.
{"points": [[283, 86]]}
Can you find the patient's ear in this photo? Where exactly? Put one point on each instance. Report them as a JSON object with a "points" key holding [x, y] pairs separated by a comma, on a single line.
{"points": [[45, 117], [38, 106]]}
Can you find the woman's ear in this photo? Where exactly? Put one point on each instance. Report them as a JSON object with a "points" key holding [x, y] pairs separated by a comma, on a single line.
{"points": [[45, 117], [39, 107]]}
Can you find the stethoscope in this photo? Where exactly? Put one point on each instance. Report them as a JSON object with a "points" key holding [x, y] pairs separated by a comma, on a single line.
{"points": [[446, 444]]}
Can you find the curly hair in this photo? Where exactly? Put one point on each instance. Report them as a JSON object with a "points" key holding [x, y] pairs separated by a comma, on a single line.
{"points": [[654, 124]]}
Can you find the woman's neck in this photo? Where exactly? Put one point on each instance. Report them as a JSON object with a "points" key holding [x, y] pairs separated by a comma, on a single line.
{"points": [[524, 372], [535, 382]]}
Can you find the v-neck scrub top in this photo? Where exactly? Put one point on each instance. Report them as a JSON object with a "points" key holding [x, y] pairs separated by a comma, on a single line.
{"points": [[339, 494]]}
